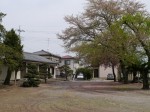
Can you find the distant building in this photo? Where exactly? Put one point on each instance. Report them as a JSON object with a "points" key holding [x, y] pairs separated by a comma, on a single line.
{"points": [[38, 60], [104, 71], [54, 62], [64, 60], [72, 62], [52, 57]]}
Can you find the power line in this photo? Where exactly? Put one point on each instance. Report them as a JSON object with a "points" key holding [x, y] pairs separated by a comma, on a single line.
{"points": [[44, 26], [39, 37], [33, 31]]}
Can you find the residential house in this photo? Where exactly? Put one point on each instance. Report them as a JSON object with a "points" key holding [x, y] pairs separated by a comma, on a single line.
{"points": [[98, 72], [52, 57], [34, 58], [70, 61], [30, 58], [64, 60], [54, 61]]}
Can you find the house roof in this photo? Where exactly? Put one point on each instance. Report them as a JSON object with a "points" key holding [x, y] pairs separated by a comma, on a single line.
{"points": [[36, 58], [45, 53], [67, 57]]}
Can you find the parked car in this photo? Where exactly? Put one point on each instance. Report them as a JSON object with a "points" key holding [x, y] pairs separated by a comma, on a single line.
{"points": [[62, 74], [80, 76], [110, 77]]}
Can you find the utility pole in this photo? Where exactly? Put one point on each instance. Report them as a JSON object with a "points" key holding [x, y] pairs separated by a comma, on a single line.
{"points": [[20, 30], [48, 45]]}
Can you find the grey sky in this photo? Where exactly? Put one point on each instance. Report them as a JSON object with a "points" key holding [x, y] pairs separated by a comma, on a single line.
{"points": [[41, 20]]}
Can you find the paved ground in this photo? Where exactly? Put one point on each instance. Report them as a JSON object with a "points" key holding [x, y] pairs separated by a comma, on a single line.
{"points": [[77, 96]]}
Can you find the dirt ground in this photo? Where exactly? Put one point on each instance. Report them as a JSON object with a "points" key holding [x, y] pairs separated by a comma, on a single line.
{"points": [[76, 96]]}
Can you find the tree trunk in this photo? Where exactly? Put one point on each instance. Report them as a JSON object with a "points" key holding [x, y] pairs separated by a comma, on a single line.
{"points": [[113, 70], [126, 77], [16, 77], [45, 77], [66, 77], [125, 73], [145, 81], [134, 76], [7, 79], [119, 73]]}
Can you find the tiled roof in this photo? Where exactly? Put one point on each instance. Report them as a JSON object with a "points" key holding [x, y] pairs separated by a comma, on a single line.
{"points": [[43, 52], [67, 57], [36, 58]]}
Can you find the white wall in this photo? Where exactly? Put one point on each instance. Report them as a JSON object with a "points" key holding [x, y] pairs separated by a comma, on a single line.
{"points": [[103, 72], [3, 72], [13, 75], [52, 58], [72, 65]]}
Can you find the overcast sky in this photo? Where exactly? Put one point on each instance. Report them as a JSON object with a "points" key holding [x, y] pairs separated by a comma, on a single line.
{"points": [[42, 20]]}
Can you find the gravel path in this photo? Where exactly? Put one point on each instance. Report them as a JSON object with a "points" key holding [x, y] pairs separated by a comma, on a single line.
{"points": [[77, 96]]}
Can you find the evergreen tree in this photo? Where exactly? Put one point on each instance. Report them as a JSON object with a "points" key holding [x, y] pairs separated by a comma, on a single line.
{"points": [[32, 76], [2, 29], [44, 72], [13, 56], [2, 32]]}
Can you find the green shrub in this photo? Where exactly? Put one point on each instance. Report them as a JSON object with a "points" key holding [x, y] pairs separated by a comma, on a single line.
{"points": [[67, 70], [49, 75], [26, 84], [87, 73]]}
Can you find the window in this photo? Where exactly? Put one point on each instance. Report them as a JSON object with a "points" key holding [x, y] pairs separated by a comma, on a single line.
{"points": [[76, 61], [67, 62]]}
